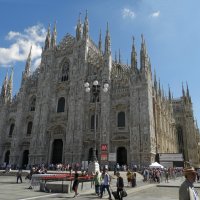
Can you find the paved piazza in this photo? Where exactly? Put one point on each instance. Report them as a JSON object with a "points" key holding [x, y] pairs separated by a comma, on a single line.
{"points": [[9, 190]]}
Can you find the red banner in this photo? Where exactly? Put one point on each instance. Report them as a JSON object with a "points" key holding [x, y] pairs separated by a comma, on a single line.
{"points": [[104, 156], [104, 147]]}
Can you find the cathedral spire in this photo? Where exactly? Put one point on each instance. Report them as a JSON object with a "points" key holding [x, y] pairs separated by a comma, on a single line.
{"points": [[119, 56], [107, 42], [4, 87], [28, 63], [169, 96], [53, 36], [143, 45], [155, 80], [27, 70], [183, 90], [10, 86], [107, 57], [133, 56], [100, 42], [188, 93], [115, 57], [159, 88], [163, 93], [86, 27], [149, 62], [143, 54], [48, 39], [79, 28]]}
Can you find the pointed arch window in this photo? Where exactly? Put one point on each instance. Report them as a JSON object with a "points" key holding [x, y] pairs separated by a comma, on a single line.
{"points": [[93, 122], [32, 103], [121, 120], [29, 128], [61, 105], [65, 72], [12, 126]]}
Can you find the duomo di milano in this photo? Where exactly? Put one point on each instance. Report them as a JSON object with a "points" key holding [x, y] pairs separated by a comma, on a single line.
{"points": [[52, 118]]}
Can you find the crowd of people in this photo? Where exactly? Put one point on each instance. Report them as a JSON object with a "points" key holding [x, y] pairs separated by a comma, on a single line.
{"points": [[160, 174], [102, 178], [51, 166]]}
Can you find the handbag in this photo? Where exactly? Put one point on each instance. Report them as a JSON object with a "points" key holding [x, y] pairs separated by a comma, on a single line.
{"points": [[124, 193]]}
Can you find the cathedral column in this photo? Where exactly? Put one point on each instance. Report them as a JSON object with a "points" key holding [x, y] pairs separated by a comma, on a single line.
{"points": [[49, 153]]}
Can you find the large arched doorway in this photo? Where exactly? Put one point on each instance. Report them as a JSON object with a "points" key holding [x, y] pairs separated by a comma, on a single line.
{"points": [[122, 156], [25, 159], [57, 151], [90, 155], [7, 157]]}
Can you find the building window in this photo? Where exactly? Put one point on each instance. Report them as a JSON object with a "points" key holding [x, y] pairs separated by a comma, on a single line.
{"points": [[65, 72], [92, 122], [29, 128], [61, 105], [121, 120], [12, 126], [32, 103]]}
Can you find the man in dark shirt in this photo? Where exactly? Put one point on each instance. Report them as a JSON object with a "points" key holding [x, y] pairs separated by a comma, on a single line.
{"points": [[120, 186], [19, 175]]}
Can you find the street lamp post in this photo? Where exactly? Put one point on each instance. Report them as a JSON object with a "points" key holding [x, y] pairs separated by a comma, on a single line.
{"points": [[95, 90]]}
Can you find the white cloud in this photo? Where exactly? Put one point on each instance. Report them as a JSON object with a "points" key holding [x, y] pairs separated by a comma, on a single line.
{"points": [[127, 13], [155, 14], [20, 44], [12, 34]]}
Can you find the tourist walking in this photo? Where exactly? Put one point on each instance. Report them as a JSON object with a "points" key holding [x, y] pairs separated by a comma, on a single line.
{"points": [[186, 190], [129, 175], [166, 176], [120, 186], [19, 175], [32, 171], [145, 175], [133, 179], [75, 184], [105, 183], [97, 182]]}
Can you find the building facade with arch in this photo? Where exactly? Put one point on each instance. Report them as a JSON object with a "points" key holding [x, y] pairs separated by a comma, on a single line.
{"points": [[52, 119]]}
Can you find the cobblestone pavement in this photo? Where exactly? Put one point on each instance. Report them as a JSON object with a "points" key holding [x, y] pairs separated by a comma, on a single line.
{"points": [[10, 190]]}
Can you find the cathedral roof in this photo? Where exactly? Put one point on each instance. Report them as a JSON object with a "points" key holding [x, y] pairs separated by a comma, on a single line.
{"points": [[120, 71], [66, 43]]}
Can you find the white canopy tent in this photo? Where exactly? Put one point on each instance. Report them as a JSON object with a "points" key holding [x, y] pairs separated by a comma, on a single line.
{"points": [[155, 165]]}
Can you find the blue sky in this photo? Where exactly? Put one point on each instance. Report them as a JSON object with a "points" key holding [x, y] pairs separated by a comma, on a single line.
{"points": [[170, 28]]}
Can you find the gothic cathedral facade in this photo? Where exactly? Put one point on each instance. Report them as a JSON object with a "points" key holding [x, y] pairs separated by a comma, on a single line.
{"points": [[52, 119]]}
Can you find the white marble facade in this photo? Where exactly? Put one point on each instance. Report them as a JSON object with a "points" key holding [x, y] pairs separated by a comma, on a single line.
{"points": [[51, 119]]}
